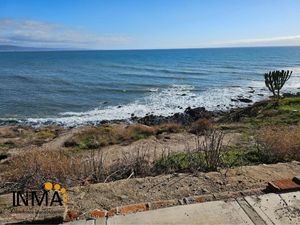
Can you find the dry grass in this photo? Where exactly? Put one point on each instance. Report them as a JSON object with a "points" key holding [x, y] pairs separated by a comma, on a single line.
{"points": [[168, 128], [96, 137], [200, 126], [11, 137], [35, 167], [280, 143]]}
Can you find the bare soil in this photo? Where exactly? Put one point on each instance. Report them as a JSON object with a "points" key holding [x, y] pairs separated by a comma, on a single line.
{"points": [[164, 187], [177, 186]]}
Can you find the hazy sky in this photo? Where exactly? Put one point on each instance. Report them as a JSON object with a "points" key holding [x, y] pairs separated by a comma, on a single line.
{"points": [[123, 24]]}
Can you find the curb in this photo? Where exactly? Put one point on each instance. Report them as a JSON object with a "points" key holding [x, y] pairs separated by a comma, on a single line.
{"points": [[72, 215]]}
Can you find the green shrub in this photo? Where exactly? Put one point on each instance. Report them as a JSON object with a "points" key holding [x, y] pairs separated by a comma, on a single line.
{"points": [[180, 162]]}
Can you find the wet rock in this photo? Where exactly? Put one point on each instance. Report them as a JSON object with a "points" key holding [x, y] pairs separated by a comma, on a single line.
{"points": [[245, 100], [188, 116]]}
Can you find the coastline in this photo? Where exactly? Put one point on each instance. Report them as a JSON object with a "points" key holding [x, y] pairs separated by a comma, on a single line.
{"points": [[185, 117], [151, 146]]}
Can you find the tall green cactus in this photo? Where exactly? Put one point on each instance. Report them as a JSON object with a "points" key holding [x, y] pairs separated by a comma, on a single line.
{"points": [[275, 80]]}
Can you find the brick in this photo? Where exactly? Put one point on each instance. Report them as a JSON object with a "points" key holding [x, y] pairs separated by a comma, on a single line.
{"points": [[72, 215], [133, 208], [163, 204], [283, 185], [199, 199], [98, 213], [112, 212]]}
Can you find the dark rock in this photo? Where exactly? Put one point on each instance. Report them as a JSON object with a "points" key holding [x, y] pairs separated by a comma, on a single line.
{"points": [[104, 121], [245, 100]]}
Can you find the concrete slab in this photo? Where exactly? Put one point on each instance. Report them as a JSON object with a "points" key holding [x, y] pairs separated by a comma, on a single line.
{"points": [[277, 209], [101, 221], [208, 213]]}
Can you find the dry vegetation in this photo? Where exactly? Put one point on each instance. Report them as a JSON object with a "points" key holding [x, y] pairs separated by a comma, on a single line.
{"points": [[32, 168], [81, 159], [279, 143], [96, 137], [17, 137]]}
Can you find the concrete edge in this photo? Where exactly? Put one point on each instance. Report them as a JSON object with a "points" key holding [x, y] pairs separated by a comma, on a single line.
{"points": [[72, 215]]}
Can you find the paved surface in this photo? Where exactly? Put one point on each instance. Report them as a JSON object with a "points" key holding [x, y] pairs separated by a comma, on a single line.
{"points": [[254, 210]]}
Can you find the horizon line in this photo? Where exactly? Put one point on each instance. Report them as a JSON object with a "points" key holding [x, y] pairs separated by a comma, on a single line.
{"points": [[50, 49]]}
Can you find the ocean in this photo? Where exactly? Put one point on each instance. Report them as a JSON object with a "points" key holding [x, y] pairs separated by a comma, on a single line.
{"points": [[73, 88]]}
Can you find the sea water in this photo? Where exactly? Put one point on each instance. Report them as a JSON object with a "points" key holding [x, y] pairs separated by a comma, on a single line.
{"points": [[78, 87]]}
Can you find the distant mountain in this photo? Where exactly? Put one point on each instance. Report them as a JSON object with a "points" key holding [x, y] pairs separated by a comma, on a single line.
{"points": [[14, 48]]}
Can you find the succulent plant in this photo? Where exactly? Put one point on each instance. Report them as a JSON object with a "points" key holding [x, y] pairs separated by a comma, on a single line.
{"points": [[275, 80]]}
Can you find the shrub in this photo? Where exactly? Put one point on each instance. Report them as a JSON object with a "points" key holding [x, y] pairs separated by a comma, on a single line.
{"points": [[279, 143], [135, 164], [33, 168], [200, 126], [137, 131], [96, 137], [207, 156], [180, 162], [168, 128], [213, 149]]}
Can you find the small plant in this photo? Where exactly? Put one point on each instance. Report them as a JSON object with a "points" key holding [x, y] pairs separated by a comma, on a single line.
{"points": [[189, 161], [275, 80], [213, 149], [200, 126], [279, 143]]}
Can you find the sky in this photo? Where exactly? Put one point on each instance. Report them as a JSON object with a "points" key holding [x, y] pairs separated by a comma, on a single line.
{"points": [[149, 24]]}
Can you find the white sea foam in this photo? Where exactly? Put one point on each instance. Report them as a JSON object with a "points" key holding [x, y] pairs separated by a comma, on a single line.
{"points": [[163, 102], [172, 100]]}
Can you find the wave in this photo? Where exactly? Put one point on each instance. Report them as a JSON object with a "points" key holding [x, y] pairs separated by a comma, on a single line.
{"points": [[159, 70], [164, 102]]}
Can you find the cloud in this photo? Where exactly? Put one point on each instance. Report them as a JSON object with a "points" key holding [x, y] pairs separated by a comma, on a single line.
{"points": [[43, 34], [273, 41]]}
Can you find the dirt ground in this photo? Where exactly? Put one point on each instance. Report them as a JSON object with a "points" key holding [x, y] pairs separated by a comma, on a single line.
{"points": [[164, 187], [177, 186], [154, 146], [149, 189]]}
